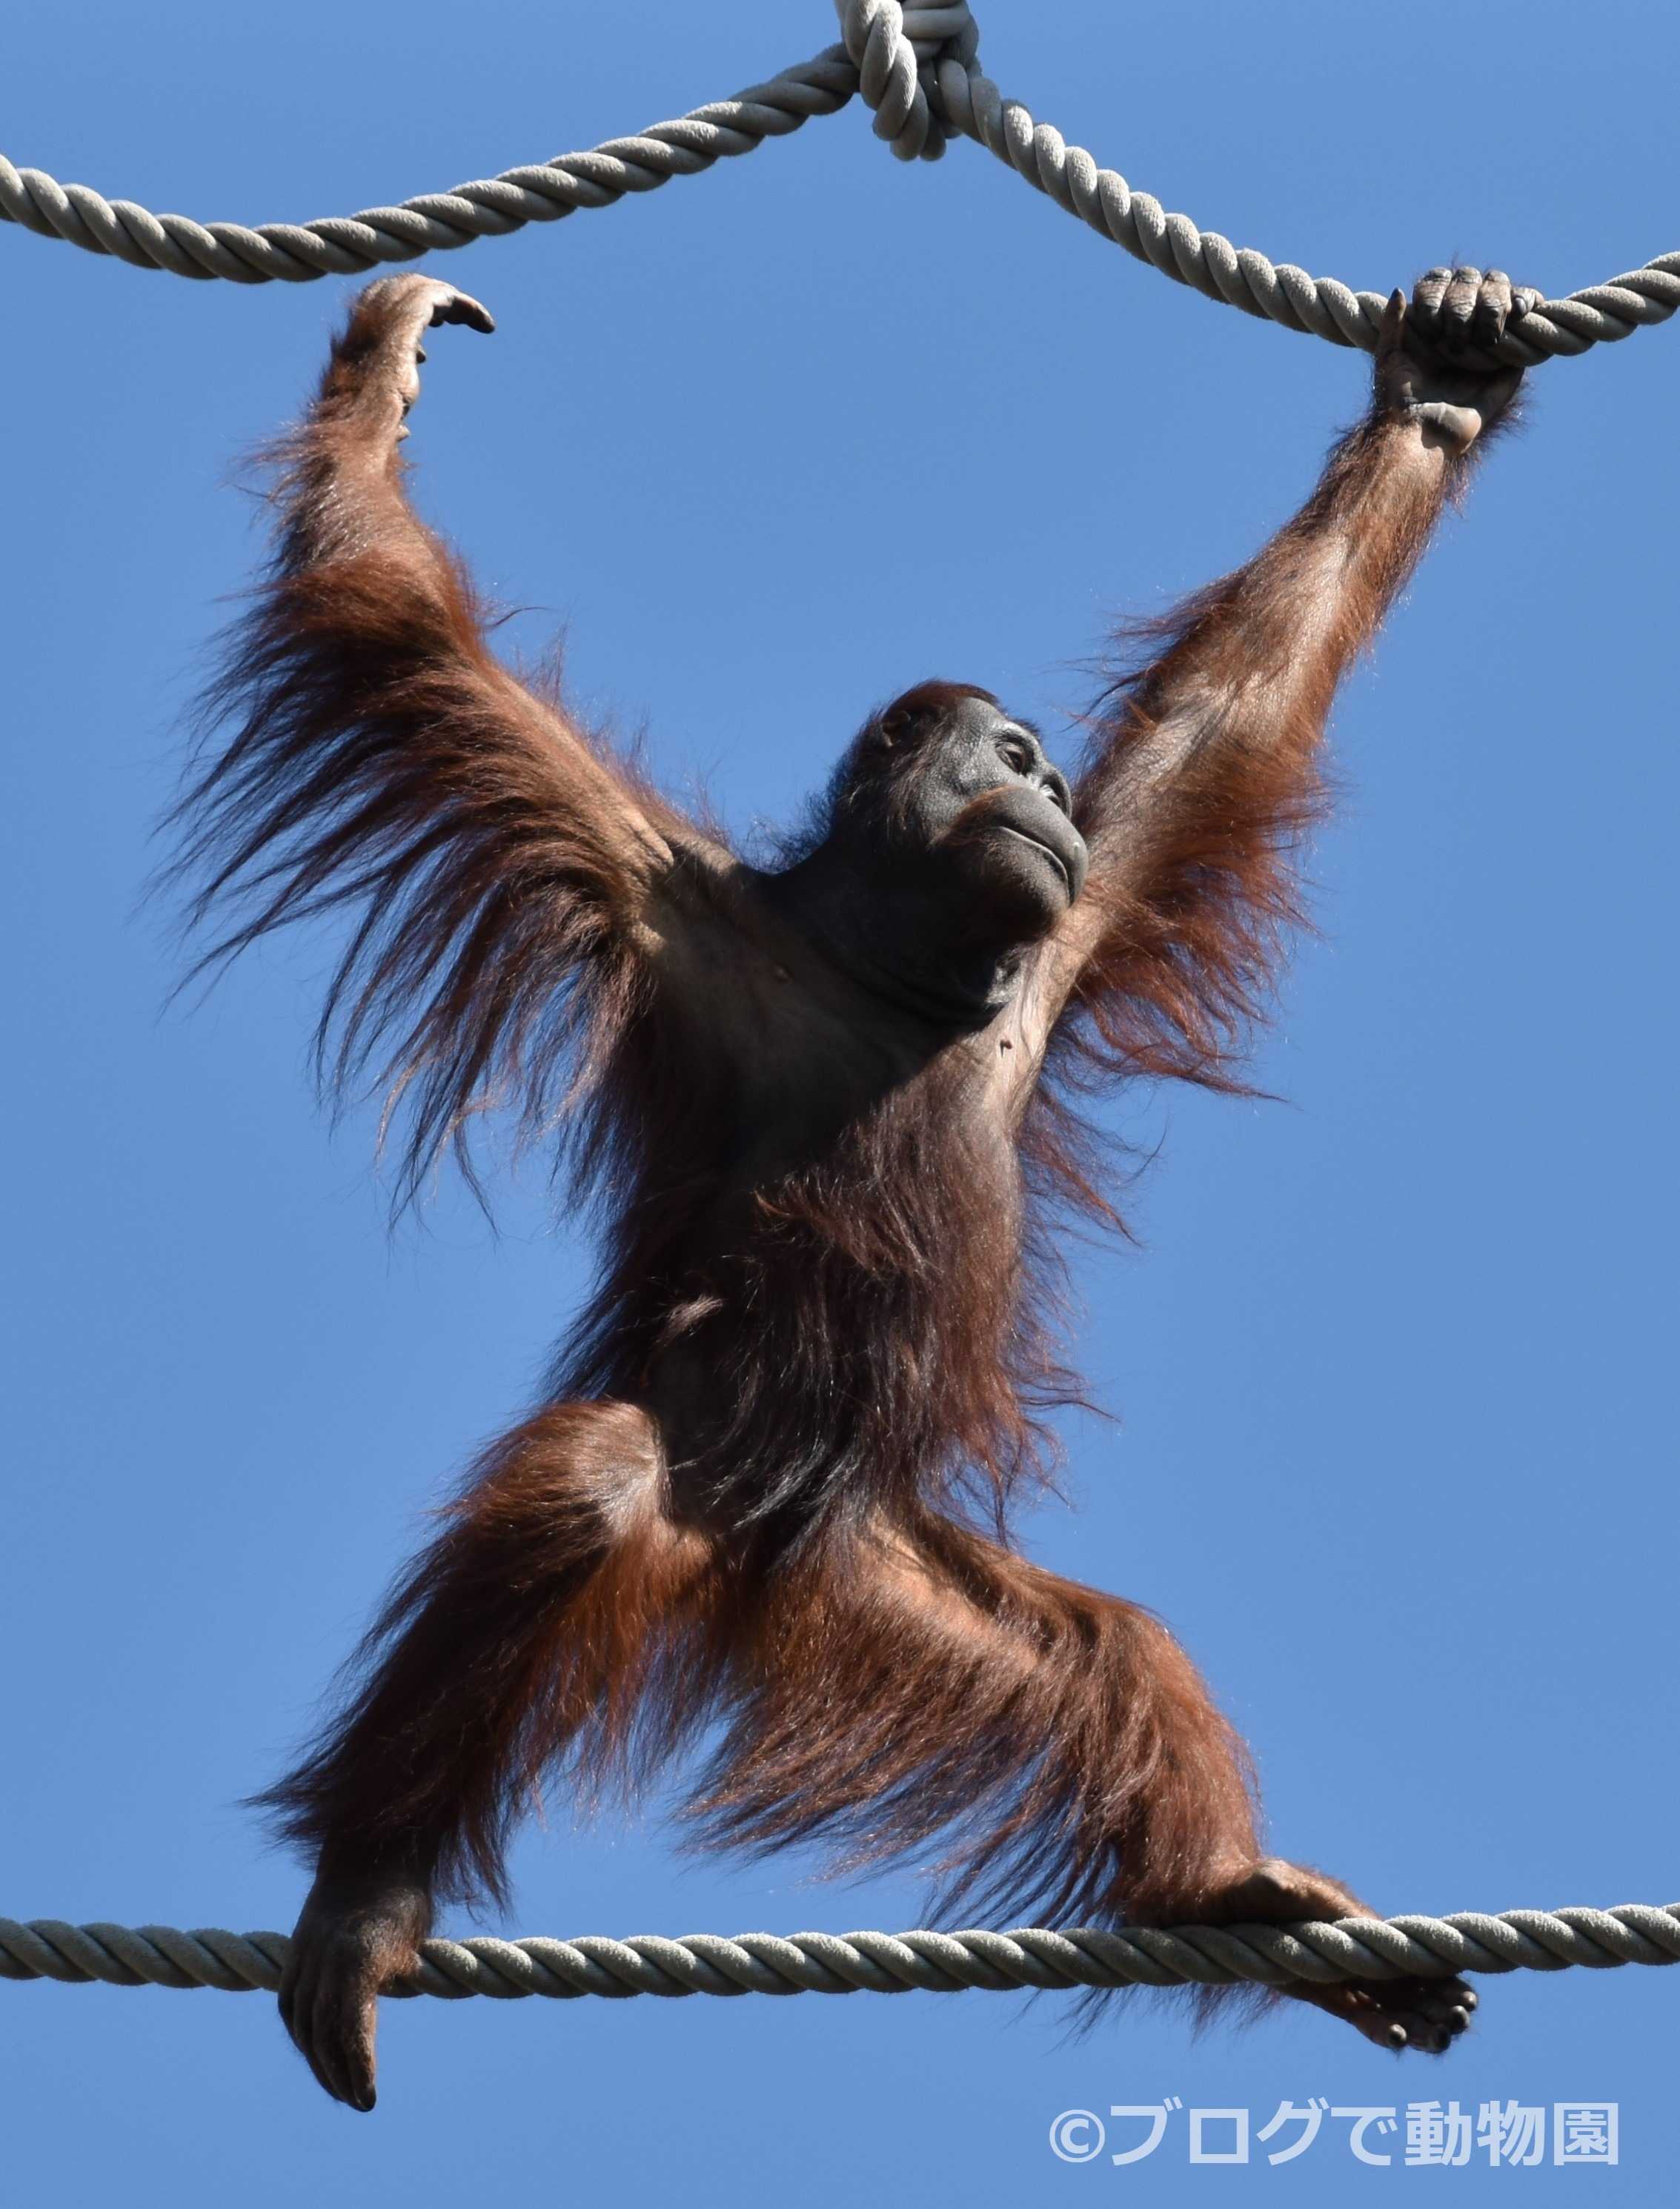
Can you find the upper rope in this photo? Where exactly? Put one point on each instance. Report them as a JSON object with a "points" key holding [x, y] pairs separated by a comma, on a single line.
{"points": [[917, 69]]}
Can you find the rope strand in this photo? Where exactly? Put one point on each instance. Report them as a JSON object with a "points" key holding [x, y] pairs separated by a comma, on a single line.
{"points": [[918, 70], [1365, 1948]]}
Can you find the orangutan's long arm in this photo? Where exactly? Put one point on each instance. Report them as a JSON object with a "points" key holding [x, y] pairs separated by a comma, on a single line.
{"points": [[1204, 765], [382, 758]]}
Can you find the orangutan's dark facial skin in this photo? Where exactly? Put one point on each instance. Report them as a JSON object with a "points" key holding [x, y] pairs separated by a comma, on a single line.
{"points": [[986, 809], [951, 850]]}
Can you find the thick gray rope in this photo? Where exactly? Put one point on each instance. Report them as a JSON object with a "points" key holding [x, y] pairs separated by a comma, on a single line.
{"points": [[917, 69], [297, 253], [883, 1963]]}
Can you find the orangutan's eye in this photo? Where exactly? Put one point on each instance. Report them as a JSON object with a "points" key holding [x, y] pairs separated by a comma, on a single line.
{"points": [[1014, 755]]}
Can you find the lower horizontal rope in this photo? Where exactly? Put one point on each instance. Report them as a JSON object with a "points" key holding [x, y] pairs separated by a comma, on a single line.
{"points": [[1366, 1949]]}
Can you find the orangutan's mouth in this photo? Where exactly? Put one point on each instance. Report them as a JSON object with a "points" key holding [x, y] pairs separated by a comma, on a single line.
{"points": [[1043, 851]]}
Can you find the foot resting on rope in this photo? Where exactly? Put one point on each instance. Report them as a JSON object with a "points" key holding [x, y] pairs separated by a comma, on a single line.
{"points": [[829, 1112]]}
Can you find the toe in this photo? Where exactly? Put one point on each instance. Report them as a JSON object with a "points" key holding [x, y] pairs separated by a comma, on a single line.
{"points": [[357, 2043], [327, 2049], [1427, 2015], [1450, 2005], [297, 2007], [1424, 2031], [1434, 2012], [306, 2039], [344, 2023]]}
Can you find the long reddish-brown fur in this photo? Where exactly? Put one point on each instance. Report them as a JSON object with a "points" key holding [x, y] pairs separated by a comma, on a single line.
{"points": [[860, 1309]]}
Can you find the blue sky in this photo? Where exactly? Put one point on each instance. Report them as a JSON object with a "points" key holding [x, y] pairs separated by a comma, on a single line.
{"points": [[1393, 1358]]}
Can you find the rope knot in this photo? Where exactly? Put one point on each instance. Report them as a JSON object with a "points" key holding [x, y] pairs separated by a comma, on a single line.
{"points": [[902, 55]]}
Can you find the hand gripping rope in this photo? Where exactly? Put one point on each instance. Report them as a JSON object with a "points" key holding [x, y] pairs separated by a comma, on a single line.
{"points": [[917, 69]]}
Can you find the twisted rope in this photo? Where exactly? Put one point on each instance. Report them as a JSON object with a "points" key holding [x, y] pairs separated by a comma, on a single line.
{"points": [[297, 253], [918, 70], [1369, 1948]]}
